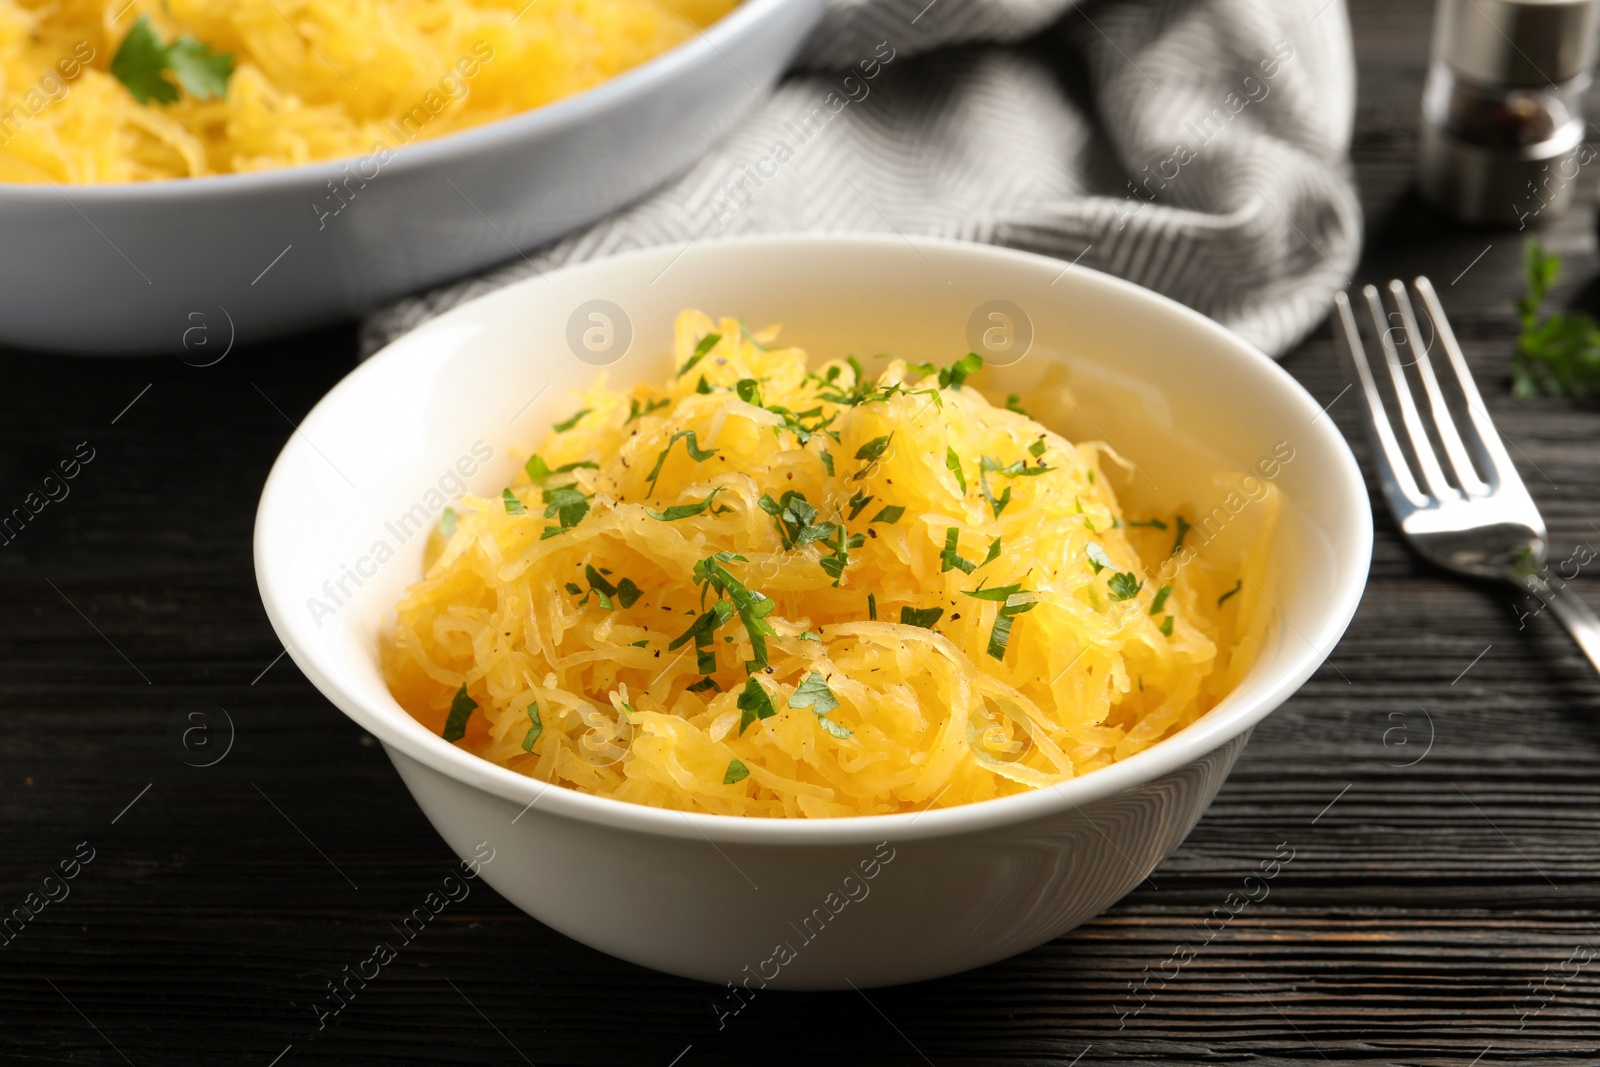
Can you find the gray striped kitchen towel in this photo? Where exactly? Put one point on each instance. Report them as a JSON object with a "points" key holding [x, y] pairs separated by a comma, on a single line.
{"points": [[1196, 147]]}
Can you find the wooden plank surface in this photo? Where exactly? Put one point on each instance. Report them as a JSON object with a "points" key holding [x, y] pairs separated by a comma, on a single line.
{"points": [[1438, 779]]}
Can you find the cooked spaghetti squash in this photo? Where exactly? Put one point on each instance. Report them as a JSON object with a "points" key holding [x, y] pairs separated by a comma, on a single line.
{"points": [[761, 589], [114, 91]]}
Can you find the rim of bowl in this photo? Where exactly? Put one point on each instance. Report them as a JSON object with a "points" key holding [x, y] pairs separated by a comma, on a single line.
{"points": [[1226, 721], [636, 81]]}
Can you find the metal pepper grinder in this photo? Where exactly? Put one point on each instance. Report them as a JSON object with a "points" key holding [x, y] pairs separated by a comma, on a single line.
{"points": [[1502, 113]]}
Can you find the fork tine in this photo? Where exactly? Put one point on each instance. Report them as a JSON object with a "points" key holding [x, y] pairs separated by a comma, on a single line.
{"points": [[1485, 438], [1444, 422], [1432, 474], [1393, 472]]}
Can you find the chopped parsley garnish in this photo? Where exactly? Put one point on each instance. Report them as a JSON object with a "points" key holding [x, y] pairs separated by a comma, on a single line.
{"points": [[997, 504], [841, 543], [1236, 587], [794, 517], [1153, 523], [696, 453], [752, 607], [827, 461], [1561, 355], [752, 337], [803, 432], [534, 730], [997, 593], [1183, 531], [748, 390], [872, 452], [635, 411], [566, 424], [950, 559], [702, 685], [956, 375], [704, 386], [461, 709], [447, 522], [567, 505], [814, 693], [684, 511], [993, 553], [707, 343], [754, 703], [1159, 601], [1016, 468], [1014, 403], [650, 406], [142, 62], [574, 588], [1097, 557], [923, 617], [890, 514], [538, 470], [857, 502], [1124, 586], [872, 607], [863, 391], [702, 631], [1166, 626], [1000, 633], [807, 635], [736, 772], [513, 505], [952, 463], [625, 591]]}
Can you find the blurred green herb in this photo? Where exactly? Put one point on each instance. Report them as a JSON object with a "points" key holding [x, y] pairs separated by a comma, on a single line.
{"points": [[707, 343], [535, 729], [1559, 356], [142, 62], [461, 708]]}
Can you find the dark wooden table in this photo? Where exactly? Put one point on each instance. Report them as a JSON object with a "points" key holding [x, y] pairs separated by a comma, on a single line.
{"points": [[1437, 779]]}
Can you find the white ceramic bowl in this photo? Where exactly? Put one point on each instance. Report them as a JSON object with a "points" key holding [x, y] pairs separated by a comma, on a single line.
{"points": [[789, 902], [191, 266]]}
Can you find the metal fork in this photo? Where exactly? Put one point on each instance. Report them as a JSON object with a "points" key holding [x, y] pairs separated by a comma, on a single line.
{"points": [[1480, 524]]}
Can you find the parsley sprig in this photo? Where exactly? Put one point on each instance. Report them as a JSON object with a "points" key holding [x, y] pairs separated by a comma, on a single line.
{"points": [[1560, 355], [142, 63]]}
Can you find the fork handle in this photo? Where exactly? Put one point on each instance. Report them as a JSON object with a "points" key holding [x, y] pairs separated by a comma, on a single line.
{"points": [[1576, 616]]}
